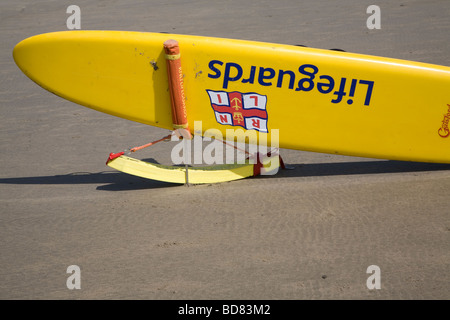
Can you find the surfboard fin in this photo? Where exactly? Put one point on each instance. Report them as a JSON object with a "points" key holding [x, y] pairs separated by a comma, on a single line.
{"points": [[197, 175]]}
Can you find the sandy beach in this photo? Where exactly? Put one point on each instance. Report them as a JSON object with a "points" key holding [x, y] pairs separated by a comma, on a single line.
{"points": [[306, 233]]}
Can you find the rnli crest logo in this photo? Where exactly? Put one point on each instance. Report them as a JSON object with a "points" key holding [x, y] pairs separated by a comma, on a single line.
{"points": [[246, 110]]}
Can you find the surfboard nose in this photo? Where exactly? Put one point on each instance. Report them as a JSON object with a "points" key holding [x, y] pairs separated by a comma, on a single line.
{"points": [[18, 53], [23, 54], [33, 55], [37, 58]]}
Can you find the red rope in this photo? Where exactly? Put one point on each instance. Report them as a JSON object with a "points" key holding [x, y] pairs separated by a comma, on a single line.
{"points": [[149, 144], [113, 156]]}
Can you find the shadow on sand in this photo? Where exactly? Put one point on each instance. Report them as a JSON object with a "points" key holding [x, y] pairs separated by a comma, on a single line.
{"points": [[118, 181], [108, 181]]}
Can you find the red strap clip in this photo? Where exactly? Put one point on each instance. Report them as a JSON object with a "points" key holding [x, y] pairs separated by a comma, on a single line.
{"points": [[112, 156], [258, 165]]}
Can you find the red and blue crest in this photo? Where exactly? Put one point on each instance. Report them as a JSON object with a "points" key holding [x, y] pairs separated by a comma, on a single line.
{"points": [[246, 110]]}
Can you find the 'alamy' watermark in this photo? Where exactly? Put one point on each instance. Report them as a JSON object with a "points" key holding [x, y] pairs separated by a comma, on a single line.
{"points": [[374, 281], [74, 20], [74, 280], [237, 147], [374, 21]]}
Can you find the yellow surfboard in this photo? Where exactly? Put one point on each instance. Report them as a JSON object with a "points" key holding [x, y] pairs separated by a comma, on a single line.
{"points": [[319, 100]]}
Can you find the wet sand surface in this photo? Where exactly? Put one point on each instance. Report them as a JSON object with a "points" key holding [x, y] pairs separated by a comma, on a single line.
{"points": [[307, 233]]}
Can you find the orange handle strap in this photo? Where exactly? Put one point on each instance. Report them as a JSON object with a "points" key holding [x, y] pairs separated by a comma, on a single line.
{"points": [[176, 87]]}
